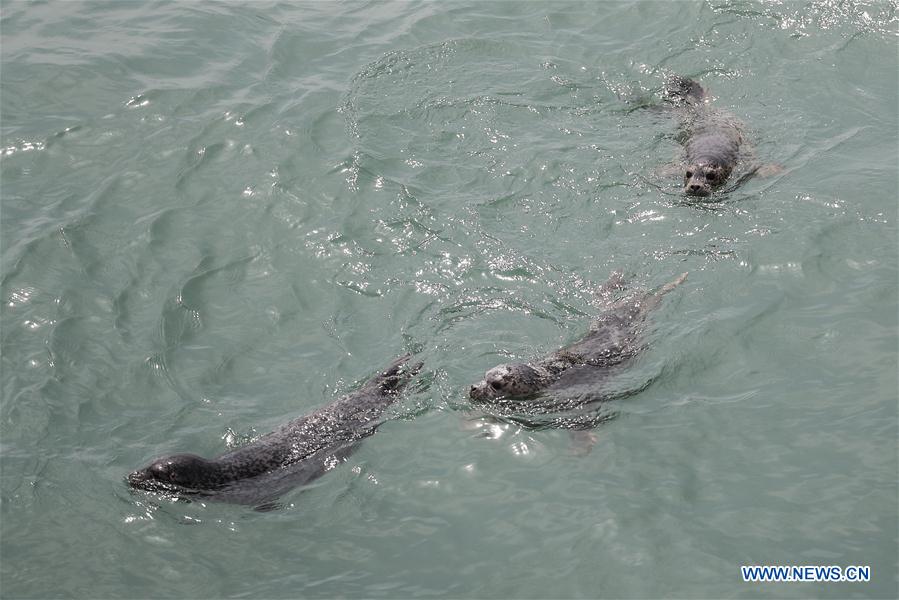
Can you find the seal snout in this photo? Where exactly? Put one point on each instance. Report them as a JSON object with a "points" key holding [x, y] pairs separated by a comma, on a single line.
{"points": [[695, 189], [136, 478], [480, 391], [142, 480]]}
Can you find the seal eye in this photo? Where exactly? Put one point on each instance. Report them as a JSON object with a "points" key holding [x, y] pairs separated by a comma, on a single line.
{"points": [[495, 385], [689, 174], [710, 176]]}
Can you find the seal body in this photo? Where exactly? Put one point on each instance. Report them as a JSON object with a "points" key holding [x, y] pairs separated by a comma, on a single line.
{"points": [[712, 139], [545, 384], [293, 454]]}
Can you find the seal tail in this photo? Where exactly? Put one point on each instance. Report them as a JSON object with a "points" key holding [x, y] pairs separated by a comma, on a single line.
{"points": [[396, 375], [683, 90]]}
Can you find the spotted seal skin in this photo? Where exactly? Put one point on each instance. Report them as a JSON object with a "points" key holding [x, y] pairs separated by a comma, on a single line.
{"points": [[611, 341], [712, 138], [292, 455]]}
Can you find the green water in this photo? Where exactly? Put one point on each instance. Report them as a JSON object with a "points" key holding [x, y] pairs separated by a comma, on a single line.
{"points": [[217, 217]]}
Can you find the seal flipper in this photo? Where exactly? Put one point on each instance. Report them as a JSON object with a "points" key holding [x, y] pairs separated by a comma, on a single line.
{"points": [[768, 170], [395, 377], [683, 90], [582, 441], [654, 298]]}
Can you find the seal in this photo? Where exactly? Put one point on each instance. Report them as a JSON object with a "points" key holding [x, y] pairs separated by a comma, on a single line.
{"points": [[294, 454], [711, 138], [612, 340]]}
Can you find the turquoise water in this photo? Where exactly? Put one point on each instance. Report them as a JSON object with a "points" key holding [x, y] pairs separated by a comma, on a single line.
{"points": [[217, 217]]}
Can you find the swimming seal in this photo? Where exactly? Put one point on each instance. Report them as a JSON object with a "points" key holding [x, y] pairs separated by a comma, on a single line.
{"points": [[292, 455], [612, 340], [711, 138]]}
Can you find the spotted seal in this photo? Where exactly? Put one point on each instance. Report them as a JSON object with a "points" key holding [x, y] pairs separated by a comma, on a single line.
{"points": [[713, 140], [293, 454], [612, 340]]}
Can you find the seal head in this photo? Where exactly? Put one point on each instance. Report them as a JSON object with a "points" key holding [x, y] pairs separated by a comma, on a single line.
{"points": [[511, 380], [702, 178], [177, 470]]}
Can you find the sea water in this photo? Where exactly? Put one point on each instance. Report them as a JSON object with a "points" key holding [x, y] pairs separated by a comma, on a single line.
{"points": [[219, 216]]}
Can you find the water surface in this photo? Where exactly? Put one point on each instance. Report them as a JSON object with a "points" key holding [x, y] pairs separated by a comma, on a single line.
{"points": [[218, 217]]}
